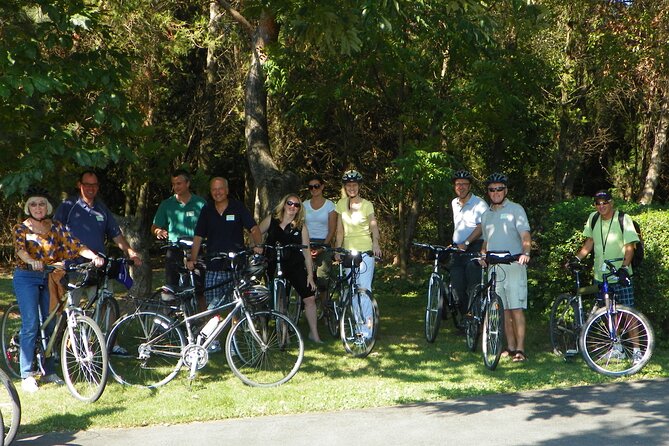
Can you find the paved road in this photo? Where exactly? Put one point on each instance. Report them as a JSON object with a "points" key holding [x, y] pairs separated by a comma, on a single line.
{"points": [[631, 413]]}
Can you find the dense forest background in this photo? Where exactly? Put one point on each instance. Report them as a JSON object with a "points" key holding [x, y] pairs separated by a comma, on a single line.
{"points": [[565, 96]]}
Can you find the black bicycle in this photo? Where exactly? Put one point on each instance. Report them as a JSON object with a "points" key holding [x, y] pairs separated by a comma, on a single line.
{"points": [[441, 300], [486, 311], [351, 312], [285, 298]]}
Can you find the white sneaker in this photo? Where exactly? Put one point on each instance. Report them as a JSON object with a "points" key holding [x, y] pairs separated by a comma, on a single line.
{"points": [[53, 379], [637, 356], [214, 347], [616, 354], [29, 385], [119, 351]]}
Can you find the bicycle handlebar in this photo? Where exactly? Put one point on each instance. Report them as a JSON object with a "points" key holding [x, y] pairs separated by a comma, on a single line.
{"points": [[497, 257], [438, 248]]}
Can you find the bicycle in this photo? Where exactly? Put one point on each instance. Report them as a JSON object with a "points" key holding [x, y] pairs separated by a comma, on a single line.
{"points": [[285, 298], [10, 409], [83, 352], [568, 314], [352, 312], [263, 347], [616, 340], [486, 311], [439, 292]]}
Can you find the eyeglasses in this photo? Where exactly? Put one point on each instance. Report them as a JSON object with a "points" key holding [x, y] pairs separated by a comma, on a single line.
{"points": [[496, 189], [293, 203], [90, 184], [314, 186], [602, 203], [34, 204], [462, 184]]}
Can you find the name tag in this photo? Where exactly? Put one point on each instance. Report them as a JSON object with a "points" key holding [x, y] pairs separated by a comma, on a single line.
{"points": [[229, 218], [604, 268], [31, 237], [190, 214], [100, 217]]}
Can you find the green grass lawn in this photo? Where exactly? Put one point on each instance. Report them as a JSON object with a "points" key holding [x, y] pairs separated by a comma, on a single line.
{"points": [[403, 368]]}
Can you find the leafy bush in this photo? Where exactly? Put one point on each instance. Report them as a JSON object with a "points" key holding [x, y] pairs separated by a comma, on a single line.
{"points": [[558, 236]]}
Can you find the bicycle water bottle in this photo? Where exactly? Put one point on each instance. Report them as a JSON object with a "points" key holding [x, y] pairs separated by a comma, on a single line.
{"points": [[210, 326]]}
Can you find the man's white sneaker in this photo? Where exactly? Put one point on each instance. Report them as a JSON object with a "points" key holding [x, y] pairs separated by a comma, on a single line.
{"points": [[637, 356], [29, 385], [119, 351]]}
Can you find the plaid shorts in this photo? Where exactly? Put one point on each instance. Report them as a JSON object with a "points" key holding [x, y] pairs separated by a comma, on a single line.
{"points": [[213, 293], [624, 295]]}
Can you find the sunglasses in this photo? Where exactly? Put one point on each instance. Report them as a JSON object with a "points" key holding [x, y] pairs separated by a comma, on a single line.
{"points": [[293, 203], [602, 203], [314, 186], [496, 189]]}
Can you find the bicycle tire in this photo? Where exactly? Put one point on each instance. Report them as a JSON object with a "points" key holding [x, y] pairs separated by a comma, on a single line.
{"points": [[11, 325], [84, 360], [106, 313], [146, 366], [331, 312], [598, 349], [492, 338], [454, 308], [268, 365], [279, 288], [10, 409], [434, 307], [564, 326], [294, 307], [359, 313]]}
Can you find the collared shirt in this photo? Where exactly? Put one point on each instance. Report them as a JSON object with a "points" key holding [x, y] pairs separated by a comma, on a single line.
{"points": [[609, 241], [179, 218], [224, 232], [466, 217], [90, 224], [502, 227]]}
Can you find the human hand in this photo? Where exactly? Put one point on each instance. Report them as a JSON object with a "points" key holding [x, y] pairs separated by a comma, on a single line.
{"points": [[161, 234], [35, 265], [524, 259], [98, 261], [624, 277]]}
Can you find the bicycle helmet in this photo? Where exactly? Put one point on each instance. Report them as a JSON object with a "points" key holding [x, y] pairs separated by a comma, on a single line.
{"points": [[255, 294], [462, 175], [351, 176], [34, 192], [256, 266], [497, 177]]}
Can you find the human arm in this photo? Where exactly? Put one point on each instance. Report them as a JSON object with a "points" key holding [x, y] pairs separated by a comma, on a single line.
{"points": [[89, 254], [339, 239], [332, 227], [475, 235], [308, 261], [588, 244], [374, 229], [526, 239], [256, 236], [194, 252], [123, 244], [160, 233]]}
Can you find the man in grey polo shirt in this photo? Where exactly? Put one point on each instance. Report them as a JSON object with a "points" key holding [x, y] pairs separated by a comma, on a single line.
{"points": [[506, 228]]}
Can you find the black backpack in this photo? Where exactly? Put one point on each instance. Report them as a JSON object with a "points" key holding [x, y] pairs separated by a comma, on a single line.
{"points": [[638, 249]]}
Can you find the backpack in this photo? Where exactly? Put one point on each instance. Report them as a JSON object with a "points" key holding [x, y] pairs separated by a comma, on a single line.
{"points": [[638, 248]]}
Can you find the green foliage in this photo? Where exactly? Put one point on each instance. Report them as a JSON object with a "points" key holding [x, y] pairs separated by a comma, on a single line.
{"points": [[560, 236]]}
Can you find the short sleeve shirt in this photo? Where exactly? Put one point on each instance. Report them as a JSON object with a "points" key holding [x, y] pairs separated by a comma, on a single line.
{"points": [[467, 217], [179, 218], [357, 234], [53, 246], [609, 240], [317, 220], [224, 232], [90, 224], [502, 227]]}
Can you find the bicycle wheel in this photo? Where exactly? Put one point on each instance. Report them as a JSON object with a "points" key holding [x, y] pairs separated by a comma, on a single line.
{"points": [[10, 408], [154, 350], [435, 304], [106, 313], [83, 358], [631, 349], [269, 359], [564, 325], [454, 309], [279, 289], [332, 311], [294, 305], [493, 332], [359, 324], [11, 325]]}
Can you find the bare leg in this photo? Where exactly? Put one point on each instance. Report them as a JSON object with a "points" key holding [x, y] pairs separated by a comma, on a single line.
{"points": [[312, 317]]}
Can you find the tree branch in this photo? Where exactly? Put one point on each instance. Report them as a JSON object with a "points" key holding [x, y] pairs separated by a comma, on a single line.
{"points": [[237, 16]]}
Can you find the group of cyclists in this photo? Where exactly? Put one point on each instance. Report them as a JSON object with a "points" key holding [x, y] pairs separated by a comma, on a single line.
{"points": [[81, 224]]}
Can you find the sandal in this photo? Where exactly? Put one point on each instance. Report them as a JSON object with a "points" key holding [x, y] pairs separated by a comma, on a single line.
{"points": [[506, 353], [519, 356]]}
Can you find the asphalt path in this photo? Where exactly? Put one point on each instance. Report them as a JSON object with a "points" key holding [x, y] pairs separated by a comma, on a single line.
{"points": [[627, 413]]}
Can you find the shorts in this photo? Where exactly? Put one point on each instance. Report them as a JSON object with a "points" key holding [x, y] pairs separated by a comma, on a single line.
{"points": [[512, 286]]}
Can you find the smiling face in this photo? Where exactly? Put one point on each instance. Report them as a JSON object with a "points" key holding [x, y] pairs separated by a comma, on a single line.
{"points": [[352, 189], [315, 188], [88, 187], [38, 207], [497, 192], [219, 190], [462, 188], [292, 206], [180, 185]]}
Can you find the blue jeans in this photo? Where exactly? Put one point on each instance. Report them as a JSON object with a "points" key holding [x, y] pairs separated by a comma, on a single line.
{"points": [[30, 296]]}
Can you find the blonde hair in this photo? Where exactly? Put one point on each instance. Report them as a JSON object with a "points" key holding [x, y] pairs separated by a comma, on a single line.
{"points": [[279, 211]]}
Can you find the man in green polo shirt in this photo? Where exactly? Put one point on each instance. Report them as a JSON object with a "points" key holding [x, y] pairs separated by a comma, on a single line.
{"points": [[176, 217]]}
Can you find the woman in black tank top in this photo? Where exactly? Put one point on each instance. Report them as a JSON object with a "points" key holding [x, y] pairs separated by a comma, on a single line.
{"points": [[286, 226]]}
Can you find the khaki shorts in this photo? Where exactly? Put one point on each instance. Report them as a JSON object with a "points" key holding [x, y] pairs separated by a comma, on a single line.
{"points": [[512, 286]]}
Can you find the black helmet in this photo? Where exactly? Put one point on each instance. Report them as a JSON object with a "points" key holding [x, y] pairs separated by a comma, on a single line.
{"points": [[37, 191], [462, 175], [351, 176], [257, 265], [497, 177]]}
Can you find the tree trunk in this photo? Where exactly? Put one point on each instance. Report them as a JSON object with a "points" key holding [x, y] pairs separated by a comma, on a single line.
{"points": [[659, 146]]}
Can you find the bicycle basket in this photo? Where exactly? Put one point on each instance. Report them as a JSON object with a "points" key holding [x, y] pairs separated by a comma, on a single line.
{"points": [[255, 294], [352, 260]]}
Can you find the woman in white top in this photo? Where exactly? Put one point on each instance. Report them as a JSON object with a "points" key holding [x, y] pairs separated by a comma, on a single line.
{"points": [[321, 221]]}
